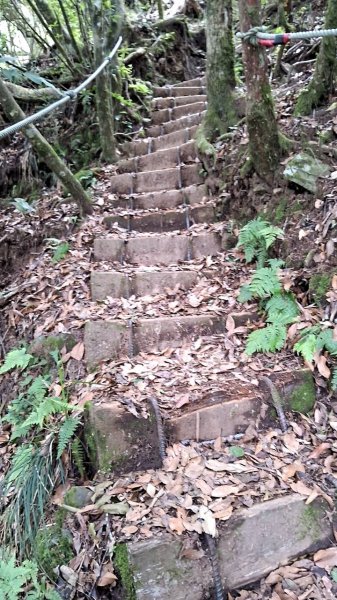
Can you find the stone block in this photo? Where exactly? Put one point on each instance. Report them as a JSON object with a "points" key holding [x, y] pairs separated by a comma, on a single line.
{"points": [[105, 340], [122, 184], [153, 181], [112, 249], [109, 283], [119, 441], [155, 250], [184, 110]]}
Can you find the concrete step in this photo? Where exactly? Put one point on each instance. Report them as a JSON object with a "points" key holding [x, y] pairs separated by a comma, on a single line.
{"points": [[180, 90], [154, 181], [164, 221], [163, 159], [139, 283], [171, 114], [198, 81], [223, 412], [254, 542], [170, 140], [158, 249], [193, 194], [176, 125], [110, 340], [174, 101]]}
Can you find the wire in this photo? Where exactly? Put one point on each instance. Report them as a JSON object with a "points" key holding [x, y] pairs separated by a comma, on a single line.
{"points": [[67, 96]]}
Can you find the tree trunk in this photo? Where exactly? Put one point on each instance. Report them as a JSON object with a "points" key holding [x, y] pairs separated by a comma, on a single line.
{"points": [[160, 9], [106, 26], [324, 78], [220, 74], [264, 143], [45, 151]]}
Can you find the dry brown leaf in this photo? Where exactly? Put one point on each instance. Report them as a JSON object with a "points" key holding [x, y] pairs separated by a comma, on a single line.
{"points": [[151, 490], [237, 467], [222, 491], [130, 529], [291, 470], [78, 351], [176, 524], [223, 514], [108, 577], [322, 367], [300, 488], [319, 450], [326, 558], [291, 442], [192, 553], [230, 325], [182, 400], [203, 486]]}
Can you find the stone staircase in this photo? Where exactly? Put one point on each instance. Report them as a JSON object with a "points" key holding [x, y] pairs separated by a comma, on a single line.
{"points": [[161, 229]]}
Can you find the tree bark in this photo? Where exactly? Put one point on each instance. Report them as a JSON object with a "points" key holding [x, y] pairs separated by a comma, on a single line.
{"points": [[160, 9], [32, 95], [323, 82], [220, 74], [106, 26], [264, 143], [45, 151]]}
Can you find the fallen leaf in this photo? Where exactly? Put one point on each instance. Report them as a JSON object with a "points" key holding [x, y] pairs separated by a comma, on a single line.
{"points": [[222, 491], [301, 488], [78, 351], [108, 578], [326, 558], [291, 470]]}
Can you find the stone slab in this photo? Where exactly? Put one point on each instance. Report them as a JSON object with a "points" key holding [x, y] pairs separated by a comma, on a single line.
{"points": [[161, 574], [192, 194], [251, 544], [119, 441], [105, 340], [182, 123], [173, 101], [268, 534], [183, 90], [141, 283], [197, 81]]}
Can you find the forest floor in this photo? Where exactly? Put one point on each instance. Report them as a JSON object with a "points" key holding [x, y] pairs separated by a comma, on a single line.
{"points": [[42, 295]]}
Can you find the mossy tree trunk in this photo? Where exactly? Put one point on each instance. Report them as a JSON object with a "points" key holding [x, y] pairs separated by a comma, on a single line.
{"points": [[160, 9], [220, 74], [45, 151], [324, 78], [264, 143], [106, 18]]}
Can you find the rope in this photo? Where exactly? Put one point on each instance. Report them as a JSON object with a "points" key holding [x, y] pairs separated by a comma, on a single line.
{"points": [[66, 97], [259, 36]]}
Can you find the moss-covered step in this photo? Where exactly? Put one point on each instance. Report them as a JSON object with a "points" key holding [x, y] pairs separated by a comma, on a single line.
{"points": [[250, 545], [121, 442]]}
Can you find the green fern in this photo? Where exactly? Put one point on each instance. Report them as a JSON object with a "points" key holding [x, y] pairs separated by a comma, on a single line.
{"points": [[78, 456], [306, 346], [21, 463], [264, 283], [282, 308], [66, 432], [16, 359], [269, 339], [256, 238], [326, 341]]}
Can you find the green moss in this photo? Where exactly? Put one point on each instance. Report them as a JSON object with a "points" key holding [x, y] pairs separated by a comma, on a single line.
{"points": [[303, 397], [52, 548], [205, 148], [43, 345], [319, 285], [123, 568], [310, 523]]}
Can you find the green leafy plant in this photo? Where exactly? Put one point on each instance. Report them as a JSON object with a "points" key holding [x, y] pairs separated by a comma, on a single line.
{"points": [[42, 427], [60, 249], [313, 342], [256, 238], [23, 206], [21, 582], [280, 308]]}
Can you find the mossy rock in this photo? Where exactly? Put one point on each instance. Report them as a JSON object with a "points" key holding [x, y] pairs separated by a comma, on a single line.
{"points": [[319, 285], [44, 345], [78, 496], [303, 396], [53, 547]]}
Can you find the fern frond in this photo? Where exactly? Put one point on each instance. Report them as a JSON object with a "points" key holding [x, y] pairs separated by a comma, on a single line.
{"points": [[326, 340], [21, 463], [49, 406], [78, 455], [256, 237], [264, 283], [282, 308], [66, 432], [270, 234], [16, 359], [269, 339], [334, 379], [307, 346], [245, 294]]}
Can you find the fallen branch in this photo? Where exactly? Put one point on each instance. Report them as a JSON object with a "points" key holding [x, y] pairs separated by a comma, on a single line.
{"points": [[30, 95]]}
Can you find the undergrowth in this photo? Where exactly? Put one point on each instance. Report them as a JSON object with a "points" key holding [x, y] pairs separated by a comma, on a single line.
{"points": [[43, 425]]}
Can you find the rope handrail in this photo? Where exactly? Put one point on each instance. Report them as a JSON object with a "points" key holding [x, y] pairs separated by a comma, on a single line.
{"points": [[65, 98], [260, 36]]}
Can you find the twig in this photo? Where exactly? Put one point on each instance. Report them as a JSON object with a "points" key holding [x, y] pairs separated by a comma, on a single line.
{"points": [[276, 398]]}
